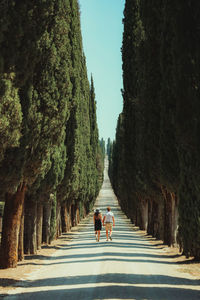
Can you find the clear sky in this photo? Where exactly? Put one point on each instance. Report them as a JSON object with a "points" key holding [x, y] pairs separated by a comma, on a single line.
{"points": [[102, 28]]}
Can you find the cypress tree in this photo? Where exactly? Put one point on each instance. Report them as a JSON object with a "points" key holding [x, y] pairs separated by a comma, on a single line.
{"points": [[170, 171], [108, 147], [187, 72], [78, 189], [43, 195], [42, 76], [96, 168], [54, 151], [131, 133], [102, 145], [77, 128], [155, 155]]}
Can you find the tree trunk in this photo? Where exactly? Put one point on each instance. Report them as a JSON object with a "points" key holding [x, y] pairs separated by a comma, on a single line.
{"points": [[155, 218], [30, 244], [11, 226], [1, 221], [144, 214], [150, 228], [168, 217], [137, 218], [143, 218], [73, 215], [77, 215], [39, 225], [174, 218], [133, 210], [69, 218], [66, 218], [21, 239], [53, 219], [46, 223], [161, 220], [58, 220]]}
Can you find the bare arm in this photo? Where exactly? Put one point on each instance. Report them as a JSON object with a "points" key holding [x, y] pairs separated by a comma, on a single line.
{"points": [[103, 220], [113, 220]]}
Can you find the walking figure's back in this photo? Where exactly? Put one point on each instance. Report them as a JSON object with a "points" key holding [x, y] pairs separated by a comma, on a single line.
{"points": [[109, 221], [97, 219]]}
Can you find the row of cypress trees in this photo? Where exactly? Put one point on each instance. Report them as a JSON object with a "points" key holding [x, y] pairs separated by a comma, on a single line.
{"points": [[155, 159], [51, 162]]}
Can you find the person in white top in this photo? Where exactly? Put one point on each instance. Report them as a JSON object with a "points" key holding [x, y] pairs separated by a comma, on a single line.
{"points": [[108, 220]]}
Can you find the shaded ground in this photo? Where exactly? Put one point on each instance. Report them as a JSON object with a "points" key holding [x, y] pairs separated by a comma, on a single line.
{"points": [[132, 266]]}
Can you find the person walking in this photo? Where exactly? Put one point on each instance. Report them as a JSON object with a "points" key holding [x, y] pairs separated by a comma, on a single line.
{"points": [[109, 221], [97, 219]]}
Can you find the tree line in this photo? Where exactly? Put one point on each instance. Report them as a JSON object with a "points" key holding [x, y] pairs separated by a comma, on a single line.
{"points": [[155, 158], [51, 161]]}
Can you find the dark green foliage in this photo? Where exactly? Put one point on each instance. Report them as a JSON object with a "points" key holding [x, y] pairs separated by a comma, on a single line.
{"points": [[155, 157], [100, 160], [10, 114], [73, 170], [81, 182], [42, 81], [187, 75], [102, 145], [48, 127], [108, 150]]}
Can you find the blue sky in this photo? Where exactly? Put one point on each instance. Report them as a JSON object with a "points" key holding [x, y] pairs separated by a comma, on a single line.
{"points": [[101, 24]]}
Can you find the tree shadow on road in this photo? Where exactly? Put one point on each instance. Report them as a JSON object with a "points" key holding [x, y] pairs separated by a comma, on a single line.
{"points": [[107, 257], [108, 278], [121, 286], [117, 244]]}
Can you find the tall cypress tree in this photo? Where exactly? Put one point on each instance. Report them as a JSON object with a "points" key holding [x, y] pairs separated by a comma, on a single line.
{"points": [[158, 137], [94, 145], [78, 188], [187, 74], [43, 68], [40, 64]]}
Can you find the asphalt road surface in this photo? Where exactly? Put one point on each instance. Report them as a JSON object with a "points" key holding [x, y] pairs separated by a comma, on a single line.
{"points": [[128, 267]]}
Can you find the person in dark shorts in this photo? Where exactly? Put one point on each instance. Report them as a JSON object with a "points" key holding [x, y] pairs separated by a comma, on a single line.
{"points": [[97, 218]]}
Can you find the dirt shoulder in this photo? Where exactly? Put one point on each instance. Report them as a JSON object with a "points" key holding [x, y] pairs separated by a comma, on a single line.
{"points": [[10, 278], [186, 265]]}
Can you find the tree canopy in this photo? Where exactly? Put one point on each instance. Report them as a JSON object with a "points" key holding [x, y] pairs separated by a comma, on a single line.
{"points": [[155, 159]]}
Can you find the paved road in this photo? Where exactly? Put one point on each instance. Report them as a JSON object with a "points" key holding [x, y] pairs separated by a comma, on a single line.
{"points": [[129, 267]]}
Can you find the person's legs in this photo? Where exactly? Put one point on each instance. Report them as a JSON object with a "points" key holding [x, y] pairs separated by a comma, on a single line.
{"points": [[107, 234], [96, 234], [108, 229], [110, 235], [99, 233]]}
